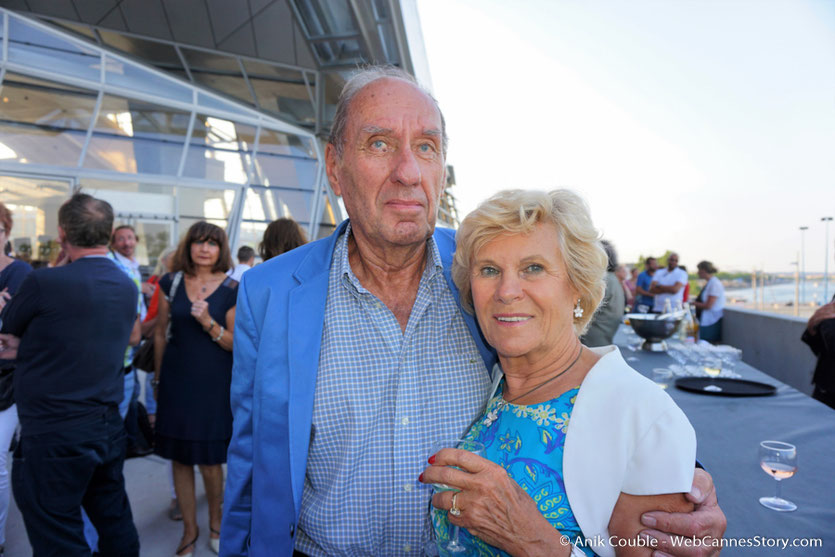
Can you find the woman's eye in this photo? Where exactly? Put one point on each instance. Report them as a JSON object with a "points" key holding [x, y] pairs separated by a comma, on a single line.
{"points": [[488, 272], [213, 243], [534, 268]]}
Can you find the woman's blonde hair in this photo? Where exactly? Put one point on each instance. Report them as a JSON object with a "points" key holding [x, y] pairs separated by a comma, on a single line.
{"points": [[160, 268], [519, 212]]}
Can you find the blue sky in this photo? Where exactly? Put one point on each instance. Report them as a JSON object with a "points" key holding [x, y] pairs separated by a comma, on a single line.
{"points": [[707, 127]]}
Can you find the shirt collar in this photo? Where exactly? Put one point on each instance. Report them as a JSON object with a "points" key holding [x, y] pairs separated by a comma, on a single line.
{"points": [[132, 263]]}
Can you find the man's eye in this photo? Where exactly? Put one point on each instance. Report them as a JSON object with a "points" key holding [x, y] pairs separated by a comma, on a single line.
{"points": [[379, 144], [426, 148]]}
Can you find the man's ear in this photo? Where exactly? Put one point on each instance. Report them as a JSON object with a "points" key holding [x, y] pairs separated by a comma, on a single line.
{"points": [[331, 164]]}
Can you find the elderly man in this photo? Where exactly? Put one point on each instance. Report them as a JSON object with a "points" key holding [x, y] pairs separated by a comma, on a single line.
{"points": [[68, 328], [352, 355], [668, 285]]}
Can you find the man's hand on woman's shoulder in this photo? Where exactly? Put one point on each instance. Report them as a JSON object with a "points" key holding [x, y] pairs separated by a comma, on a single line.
{"points": [[706, 522]]}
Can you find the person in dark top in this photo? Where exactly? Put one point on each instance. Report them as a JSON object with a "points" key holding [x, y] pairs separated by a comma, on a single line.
{"points": [[820, 336], [12, 273], [194, 372], [68, 328]]}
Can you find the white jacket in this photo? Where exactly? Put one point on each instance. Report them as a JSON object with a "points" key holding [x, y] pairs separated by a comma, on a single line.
{"points": [[625, 435]]}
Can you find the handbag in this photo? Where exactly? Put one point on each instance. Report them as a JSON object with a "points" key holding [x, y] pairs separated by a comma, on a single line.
{"points": [[175, 283], [144, 358]]}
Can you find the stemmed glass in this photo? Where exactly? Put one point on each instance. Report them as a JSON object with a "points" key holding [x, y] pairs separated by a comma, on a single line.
{"points": [[475, 447], [778, 460]]}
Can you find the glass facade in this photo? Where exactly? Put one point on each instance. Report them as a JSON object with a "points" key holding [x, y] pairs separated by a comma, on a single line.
{"points": [[164, 152]]}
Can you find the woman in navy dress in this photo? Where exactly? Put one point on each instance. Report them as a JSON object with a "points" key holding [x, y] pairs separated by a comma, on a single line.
{"points": [[194, 367]]}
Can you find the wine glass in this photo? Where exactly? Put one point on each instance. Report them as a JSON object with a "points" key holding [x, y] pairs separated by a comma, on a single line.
{"points": [[475, 447], [712, 366], [778, 460], [662, 376]]}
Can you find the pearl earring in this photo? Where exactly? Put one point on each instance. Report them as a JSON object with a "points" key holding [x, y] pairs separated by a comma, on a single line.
{"points": [[578, 311]]}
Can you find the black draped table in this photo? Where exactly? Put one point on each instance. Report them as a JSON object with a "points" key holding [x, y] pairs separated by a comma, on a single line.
{"points": [[729, 431]]}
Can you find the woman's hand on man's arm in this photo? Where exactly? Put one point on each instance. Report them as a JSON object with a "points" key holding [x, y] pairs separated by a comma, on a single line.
{"points": [[493, 506]]}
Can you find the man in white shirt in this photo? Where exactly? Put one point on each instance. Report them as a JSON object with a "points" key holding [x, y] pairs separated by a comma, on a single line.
{"points": [[668, 284], [246, 260]]}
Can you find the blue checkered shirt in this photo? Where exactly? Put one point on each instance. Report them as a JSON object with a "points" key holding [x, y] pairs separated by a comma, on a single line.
{"points": [[383, 397]]}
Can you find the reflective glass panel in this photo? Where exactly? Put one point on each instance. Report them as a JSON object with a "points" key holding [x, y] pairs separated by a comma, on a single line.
{"points": [[36, 48], [279, 143], [199, 60], [43, 122], [220, 150], [289, 99], [135, 136], [214, 103], [34, 204], [77, 28], [131, 76], [205, 204], [281, 171], [232, 85], [251, 233], [159, 54], [268, 204]]}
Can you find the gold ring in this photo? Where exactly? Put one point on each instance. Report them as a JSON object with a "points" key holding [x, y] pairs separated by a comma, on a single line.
{"points": [[454, 510]]}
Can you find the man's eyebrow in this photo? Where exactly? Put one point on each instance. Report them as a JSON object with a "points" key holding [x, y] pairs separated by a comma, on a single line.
{"points": [[376, 130], [432, 132]]}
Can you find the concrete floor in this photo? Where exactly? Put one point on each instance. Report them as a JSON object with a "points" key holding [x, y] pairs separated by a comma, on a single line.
{"points": [[149, 491]]}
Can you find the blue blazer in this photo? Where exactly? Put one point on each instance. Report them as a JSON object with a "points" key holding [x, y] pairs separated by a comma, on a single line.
{"points": [[278, 331]]}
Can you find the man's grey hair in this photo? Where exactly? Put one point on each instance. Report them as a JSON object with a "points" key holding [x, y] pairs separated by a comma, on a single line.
{"points": [[366, 76]]}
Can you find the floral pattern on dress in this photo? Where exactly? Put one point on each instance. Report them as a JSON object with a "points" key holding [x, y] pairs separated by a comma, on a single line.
{"points": [[527, 441]]}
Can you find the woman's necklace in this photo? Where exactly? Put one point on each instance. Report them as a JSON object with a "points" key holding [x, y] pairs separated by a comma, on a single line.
{"points": [[205, 285], [494, 414]]}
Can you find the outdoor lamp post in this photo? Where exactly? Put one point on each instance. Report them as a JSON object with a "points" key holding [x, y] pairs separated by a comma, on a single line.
{"points": [[827, 220], [803, 230]]}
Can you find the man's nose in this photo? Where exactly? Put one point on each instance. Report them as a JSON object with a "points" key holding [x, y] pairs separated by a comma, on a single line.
{"points": [[406, 168]]}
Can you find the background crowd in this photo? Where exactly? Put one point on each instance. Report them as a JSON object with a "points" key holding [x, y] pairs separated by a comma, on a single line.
{"points": [[178, 351]]}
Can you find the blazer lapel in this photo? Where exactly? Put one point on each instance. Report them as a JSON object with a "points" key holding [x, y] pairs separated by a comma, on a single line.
{"points": [[306, 318]]}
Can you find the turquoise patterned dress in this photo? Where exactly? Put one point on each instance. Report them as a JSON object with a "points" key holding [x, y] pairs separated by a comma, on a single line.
{"points": [[527, 441]]}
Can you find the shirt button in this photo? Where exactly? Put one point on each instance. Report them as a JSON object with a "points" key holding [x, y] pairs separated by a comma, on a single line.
{"points": [[405, 421], [407, 548], [292, 530], [407, 487]]}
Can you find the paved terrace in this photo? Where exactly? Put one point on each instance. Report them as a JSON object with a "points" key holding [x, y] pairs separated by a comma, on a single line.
{"points": [[149, 491]]}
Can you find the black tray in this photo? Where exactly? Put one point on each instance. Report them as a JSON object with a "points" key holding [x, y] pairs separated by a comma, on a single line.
{"points": [[722, 386]]}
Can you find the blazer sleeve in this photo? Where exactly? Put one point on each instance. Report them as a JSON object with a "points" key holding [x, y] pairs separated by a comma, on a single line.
{"points": [[237, 502], [664, 457]]}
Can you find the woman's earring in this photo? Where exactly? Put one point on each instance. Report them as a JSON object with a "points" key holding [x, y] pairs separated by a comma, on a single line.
{"points": [[578, 311]]}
